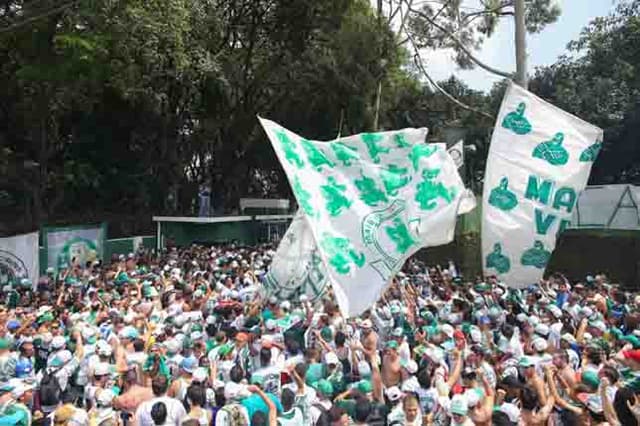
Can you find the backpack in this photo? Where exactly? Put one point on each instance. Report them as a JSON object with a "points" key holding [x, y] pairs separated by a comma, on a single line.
{"points": [[50, 389], [235, 417]]}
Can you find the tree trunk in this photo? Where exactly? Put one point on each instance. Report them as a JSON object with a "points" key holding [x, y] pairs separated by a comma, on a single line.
{"points": [[521, 44]]}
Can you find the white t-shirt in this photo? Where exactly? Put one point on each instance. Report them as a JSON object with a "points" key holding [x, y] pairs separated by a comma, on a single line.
{"points": [[175, 411]]}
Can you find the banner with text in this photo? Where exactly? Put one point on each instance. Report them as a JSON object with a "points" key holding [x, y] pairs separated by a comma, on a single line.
{"points": [[74, 245], [19, 259], [539, 162], [371, 201]]}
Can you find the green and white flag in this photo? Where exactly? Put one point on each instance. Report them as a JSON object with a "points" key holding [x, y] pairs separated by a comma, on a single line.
{"points": [[371, 201], [19, 259], [74, 245], [539, 162], [297, 267]]}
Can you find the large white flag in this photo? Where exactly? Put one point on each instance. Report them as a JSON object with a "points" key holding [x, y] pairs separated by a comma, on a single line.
{"points": [[297, 268], [539, 162], [371, 201], [19, 259]]}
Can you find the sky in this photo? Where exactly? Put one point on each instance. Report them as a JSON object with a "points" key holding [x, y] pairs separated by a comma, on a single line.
{"points": [[499, 51]]}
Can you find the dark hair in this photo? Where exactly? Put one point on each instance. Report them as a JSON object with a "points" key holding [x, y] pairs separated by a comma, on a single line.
{"points": [[159, 412], [197, 395], [362, 410], [529, 398], [220, 398], [159, 385], [424, 377], [301, 369], [501, 419], [138, 345], [625, 416], [507, 330], [340, 338], [259, 419], [265, 357], [236, 374], [611, 373], [288, 398]]}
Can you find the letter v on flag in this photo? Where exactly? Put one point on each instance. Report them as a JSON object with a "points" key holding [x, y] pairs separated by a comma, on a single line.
{"points": [[371, 201]]}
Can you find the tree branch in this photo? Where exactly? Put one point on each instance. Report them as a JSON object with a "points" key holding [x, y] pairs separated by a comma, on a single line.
{"points": [[37, 17], [418, 62], [460, 45]]}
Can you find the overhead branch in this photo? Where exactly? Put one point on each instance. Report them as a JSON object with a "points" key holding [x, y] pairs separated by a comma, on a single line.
{"points": [[459, 43], [451, 98], [37, 17]]}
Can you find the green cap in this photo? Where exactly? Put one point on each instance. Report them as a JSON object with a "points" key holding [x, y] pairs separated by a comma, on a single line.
{"points": [[590, 378], [324, 387], [525, 362], [257, 379], [326, 334], [364, 386], [224, 350], [392, 344], [634, 340]]}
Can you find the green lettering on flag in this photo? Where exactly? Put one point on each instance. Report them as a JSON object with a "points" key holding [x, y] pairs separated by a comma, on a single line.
{"points": [[565, 197], [516, 122], [543, 223], [537, 191], [501, 197], [591, 152], [552, 151]]}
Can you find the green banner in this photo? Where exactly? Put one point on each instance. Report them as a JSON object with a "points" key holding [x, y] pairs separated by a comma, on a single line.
{"points": [[75, 245]]}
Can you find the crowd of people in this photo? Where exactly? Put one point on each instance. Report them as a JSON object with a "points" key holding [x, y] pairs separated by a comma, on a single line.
{"points": [[186, 337]]}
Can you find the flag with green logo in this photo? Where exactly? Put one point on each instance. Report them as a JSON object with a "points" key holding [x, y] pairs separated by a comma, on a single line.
{"points": [[371, 201], [74, 245], [539, 162], [297, 268]]}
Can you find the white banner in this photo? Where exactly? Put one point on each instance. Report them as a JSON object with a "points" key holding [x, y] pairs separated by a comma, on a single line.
{"points": [[297, 267], [539, 162], [75, 245], [19, 259], [371, 201]]}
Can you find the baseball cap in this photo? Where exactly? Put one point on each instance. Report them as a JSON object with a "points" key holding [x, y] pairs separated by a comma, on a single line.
{"points": [[526, 362], [189, 364], [324, 387], [397, 332], [331, 358], [393, 393], [366, 324], [511, 410], [410, 365], [364, 386], [391, 344], [58, 342], [459, 405], [20, 389], [102, 369], [634, 340]]}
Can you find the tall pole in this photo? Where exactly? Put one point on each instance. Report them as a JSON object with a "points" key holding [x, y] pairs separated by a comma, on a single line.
{"points": [[521, 44]]}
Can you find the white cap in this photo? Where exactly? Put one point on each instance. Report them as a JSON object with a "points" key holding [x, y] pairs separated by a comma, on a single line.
{"points": [[473, 397], [542, 330], [331, 358], [104, 398], [200, 374], [304, 298], [20, 389], [270, 324], [534, 320], [366, 324], [568, 337], [447, 329], [286, 305], [58, 342], [540, 344], [411, 366], [393, 393], [512, 411]]}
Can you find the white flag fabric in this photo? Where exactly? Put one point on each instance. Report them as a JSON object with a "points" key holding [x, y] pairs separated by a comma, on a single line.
{"points": [[297, 268], [19, 259], [371, 201], [539, 162], [457, 153], [74, 245]]}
